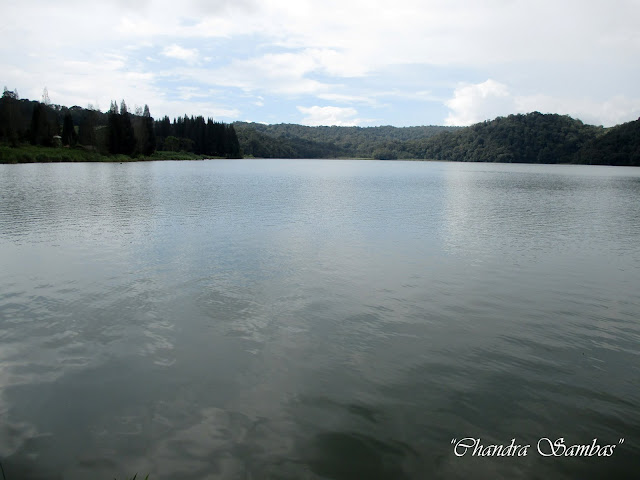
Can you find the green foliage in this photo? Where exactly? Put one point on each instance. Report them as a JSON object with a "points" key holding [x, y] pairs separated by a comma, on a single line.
{"points": [[33, 153], [69, 136], [299, 141], [89, 121], [10, 94], [530, 138], [147, 135], [122, 138], [620, 145], [195, 135], [43, 126], [35, 122], [11, 117]]}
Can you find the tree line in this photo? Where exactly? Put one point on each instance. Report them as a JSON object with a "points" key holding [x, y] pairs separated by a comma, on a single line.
{"points": [[117, 131], [194, 134], [535, 138], [521, 138], [299, 141]]}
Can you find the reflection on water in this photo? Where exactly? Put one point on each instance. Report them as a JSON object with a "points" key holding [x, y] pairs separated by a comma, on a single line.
{"points": [[316, 319]]}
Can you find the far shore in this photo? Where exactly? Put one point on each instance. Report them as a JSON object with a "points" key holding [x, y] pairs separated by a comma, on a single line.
{"points": [[27, 154], [37, 154]]}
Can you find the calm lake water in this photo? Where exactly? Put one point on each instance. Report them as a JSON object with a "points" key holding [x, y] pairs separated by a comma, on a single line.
{"points": [[316, 319]]}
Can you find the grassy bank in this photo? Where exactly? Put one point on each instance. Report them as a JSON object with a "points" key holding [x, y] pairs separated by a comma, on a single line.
{"points": [[36, 154]]}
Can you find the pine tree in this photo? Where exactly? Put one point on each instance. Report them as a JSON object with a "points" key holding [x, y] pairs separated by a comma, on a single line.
{"points": [[41, 129], [114, 129], [87, 128], [128, 139], [233, 144], [148, 137], [11, 118], [121, 136], [69, 136], [45, 97]]}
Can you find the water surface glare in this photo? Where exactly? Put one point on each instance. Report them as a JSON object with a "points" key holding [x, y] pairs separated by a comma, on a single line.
{"points": [[317, 319]]}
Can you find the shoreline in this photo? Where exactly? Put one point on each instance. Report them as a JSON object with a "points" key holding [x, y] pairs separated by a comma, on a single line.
{"points": [[37, 154], [29, 154]]}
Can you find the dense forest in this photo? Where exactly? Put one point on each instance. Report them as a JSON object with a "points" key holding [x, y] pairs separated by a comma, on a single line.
{"points": [[117, 132], [536, 138], [530, 138], [299, 141], [522, 138]]}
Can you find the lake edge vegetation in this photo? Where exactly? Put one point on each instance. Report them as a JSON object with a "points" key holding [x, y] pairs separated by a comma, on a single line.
{"points": [[32, 131]]}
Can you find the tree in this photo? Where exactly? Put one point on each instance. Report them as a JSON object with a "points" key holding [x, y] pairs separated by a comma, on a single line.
{"points": [[69, 136], [10, 94], [147, 137], [121, 136], [10, 117], [114, 129], [233, 145], [172, 144], [87, 127], [128, 139], [45, 97], [42, 130]]}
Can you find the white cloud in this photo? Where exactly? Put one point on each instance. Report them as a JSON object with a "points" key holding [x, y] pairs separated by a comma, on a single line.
{"points": [[189, 55], [283, 73], [612, 111], [369, 33], [316, 116], [207, 109], [343, 98], [287, 73], [473, 103], [574, 55]]}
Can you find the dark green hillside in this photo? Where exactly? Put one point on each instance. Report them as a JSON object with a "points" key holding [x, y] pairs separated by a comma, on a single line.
{"points": [[43, 132], [530, 138], [299, 141], [620, 145], [33, 131], [258, 144]]}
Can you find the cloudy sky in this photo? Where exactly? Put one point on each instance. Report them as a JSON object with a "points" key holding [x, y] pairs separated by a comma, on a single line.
{"points": [[330, 62]]}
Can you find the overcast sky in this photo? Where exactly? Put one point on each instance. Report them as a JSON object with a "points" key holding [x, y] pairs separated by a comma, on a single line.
{"points": [[330, 62]]}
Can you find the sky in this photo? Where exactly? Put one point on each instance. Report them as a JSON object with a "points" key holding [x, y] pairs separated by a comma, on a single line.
{"points": [[330, 62]]}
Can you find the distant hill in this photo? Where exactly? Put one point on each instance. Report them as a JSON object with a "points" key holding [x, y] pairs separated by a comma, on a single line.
{"points": [[535, 138], [618, 146], [530, 138], [522, 138], [299, 141]]}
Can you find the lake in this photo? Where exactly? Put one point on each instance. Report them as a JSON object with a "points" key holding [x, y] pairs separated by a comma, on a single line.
{"points": [[319, 319]]}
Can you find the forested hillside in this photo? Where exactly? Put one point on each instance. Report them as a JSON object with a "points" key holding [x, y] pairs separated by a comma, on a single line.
{"points": [[530, 138], [299, 141], [522, 138], [118, 132], [535, 138], [618, 146]]}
